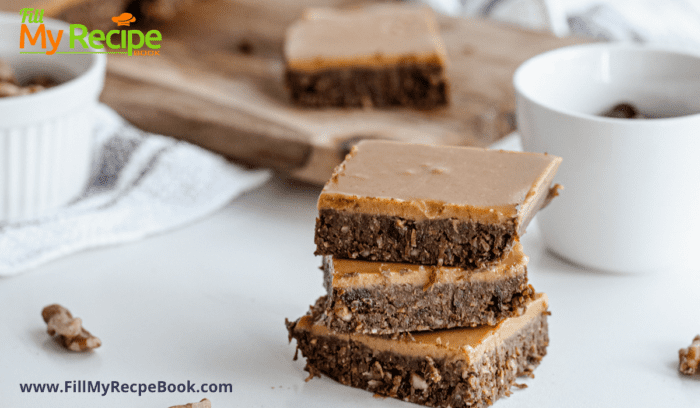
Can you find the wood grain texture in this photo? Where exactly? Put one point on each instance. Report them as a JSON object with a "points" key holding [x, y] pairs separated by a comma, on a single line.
{"points": [[218, 83]]}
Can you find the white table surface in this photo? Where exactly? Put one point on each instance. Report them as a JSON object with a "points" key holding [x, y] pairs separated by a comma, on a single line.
{"points": [[207, 304]]}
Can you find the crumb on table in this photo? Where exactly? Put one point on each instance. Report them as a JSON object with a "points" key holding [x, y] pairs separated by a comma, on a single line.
{"points": [[690, 357]]}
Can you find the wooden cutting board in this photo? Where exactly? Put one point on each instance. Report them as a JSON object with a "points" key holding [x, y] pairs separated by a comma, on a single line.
{"points": [[218, 83]]}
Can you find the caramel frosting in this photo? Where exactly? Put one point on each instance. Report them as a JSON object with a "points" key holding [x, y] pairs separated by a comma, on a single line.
{"points": [[370, 37], [467, 343], [352, 274], [419, 182]]}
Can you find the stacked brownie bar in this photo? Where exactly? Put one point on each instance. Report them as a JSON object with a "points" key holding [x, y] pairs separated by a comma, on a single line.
{"points": [[427, 292], [379, 56]]}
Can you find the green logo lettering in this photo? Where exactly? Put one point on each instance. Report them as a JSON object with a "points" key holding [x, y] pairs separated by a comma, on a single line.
{"points": [[80, 37]]}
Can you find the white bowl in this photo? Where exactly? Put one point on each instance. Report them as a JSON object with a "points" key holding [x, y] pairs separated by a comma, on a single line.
{"points": [[632, 186], [46, 137]]}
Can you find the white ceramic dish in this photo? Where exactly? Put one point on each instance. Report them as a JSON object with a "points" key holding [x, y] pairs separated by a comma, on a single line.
{"points": [[46, 137], [631, 186]]}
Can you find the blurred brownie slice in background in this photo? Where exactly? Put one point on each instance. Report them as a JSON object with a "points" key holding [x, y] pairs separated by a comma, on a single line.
{"points": [[382, 55]]}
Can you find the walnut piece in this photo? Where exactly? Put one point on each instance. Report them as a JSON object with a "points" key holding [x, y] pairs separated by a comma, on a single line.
{"points": [[205, 403], [10, 87], [70, 330], [418, 383], [43, 81], [690, 357], [6, 73]]}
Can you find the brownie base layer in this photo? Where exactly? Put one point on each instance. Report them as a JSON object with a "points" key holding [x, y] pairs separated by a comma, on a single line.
{"points": [[420, 86], [446, 382], [402, 308], [448, 242]]}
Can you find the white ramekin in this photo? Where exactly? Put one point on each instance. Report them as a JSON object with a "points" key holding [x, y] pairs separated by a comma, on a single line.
{"points": [[46, 137], [632, 186]]}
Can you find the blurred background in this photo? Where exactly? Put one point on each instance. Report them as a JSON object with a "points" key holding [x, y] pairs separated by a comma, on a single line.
{"points": [[218, 79], [218, 83]]}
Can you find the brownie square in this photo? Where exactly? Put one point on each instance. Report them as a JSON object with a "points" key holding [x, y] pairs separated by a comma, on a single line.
{"points": [[385, 298], [465, 367], [431, 205], [381, 56]]}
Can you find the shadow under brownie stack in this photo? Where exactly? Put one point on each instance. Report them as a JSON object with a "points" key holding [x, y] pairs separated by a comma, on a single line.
{"points": [[427, 298]]}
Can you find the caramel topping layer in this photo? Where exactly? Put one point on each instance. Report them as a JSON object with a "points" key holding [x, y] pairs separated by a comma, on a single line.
{"points": [[421, 182], [467, 343], [375, 36], [352, 274]]}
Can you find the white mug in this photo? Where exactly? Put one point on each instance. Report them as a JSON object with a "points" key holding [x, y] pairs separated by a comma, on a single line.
{"points": [[631, 198]]}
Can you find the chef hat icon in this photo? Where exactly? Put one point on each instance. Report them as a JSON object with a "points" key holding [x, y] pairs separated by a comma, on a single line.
{"points": [[124, 19]]}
